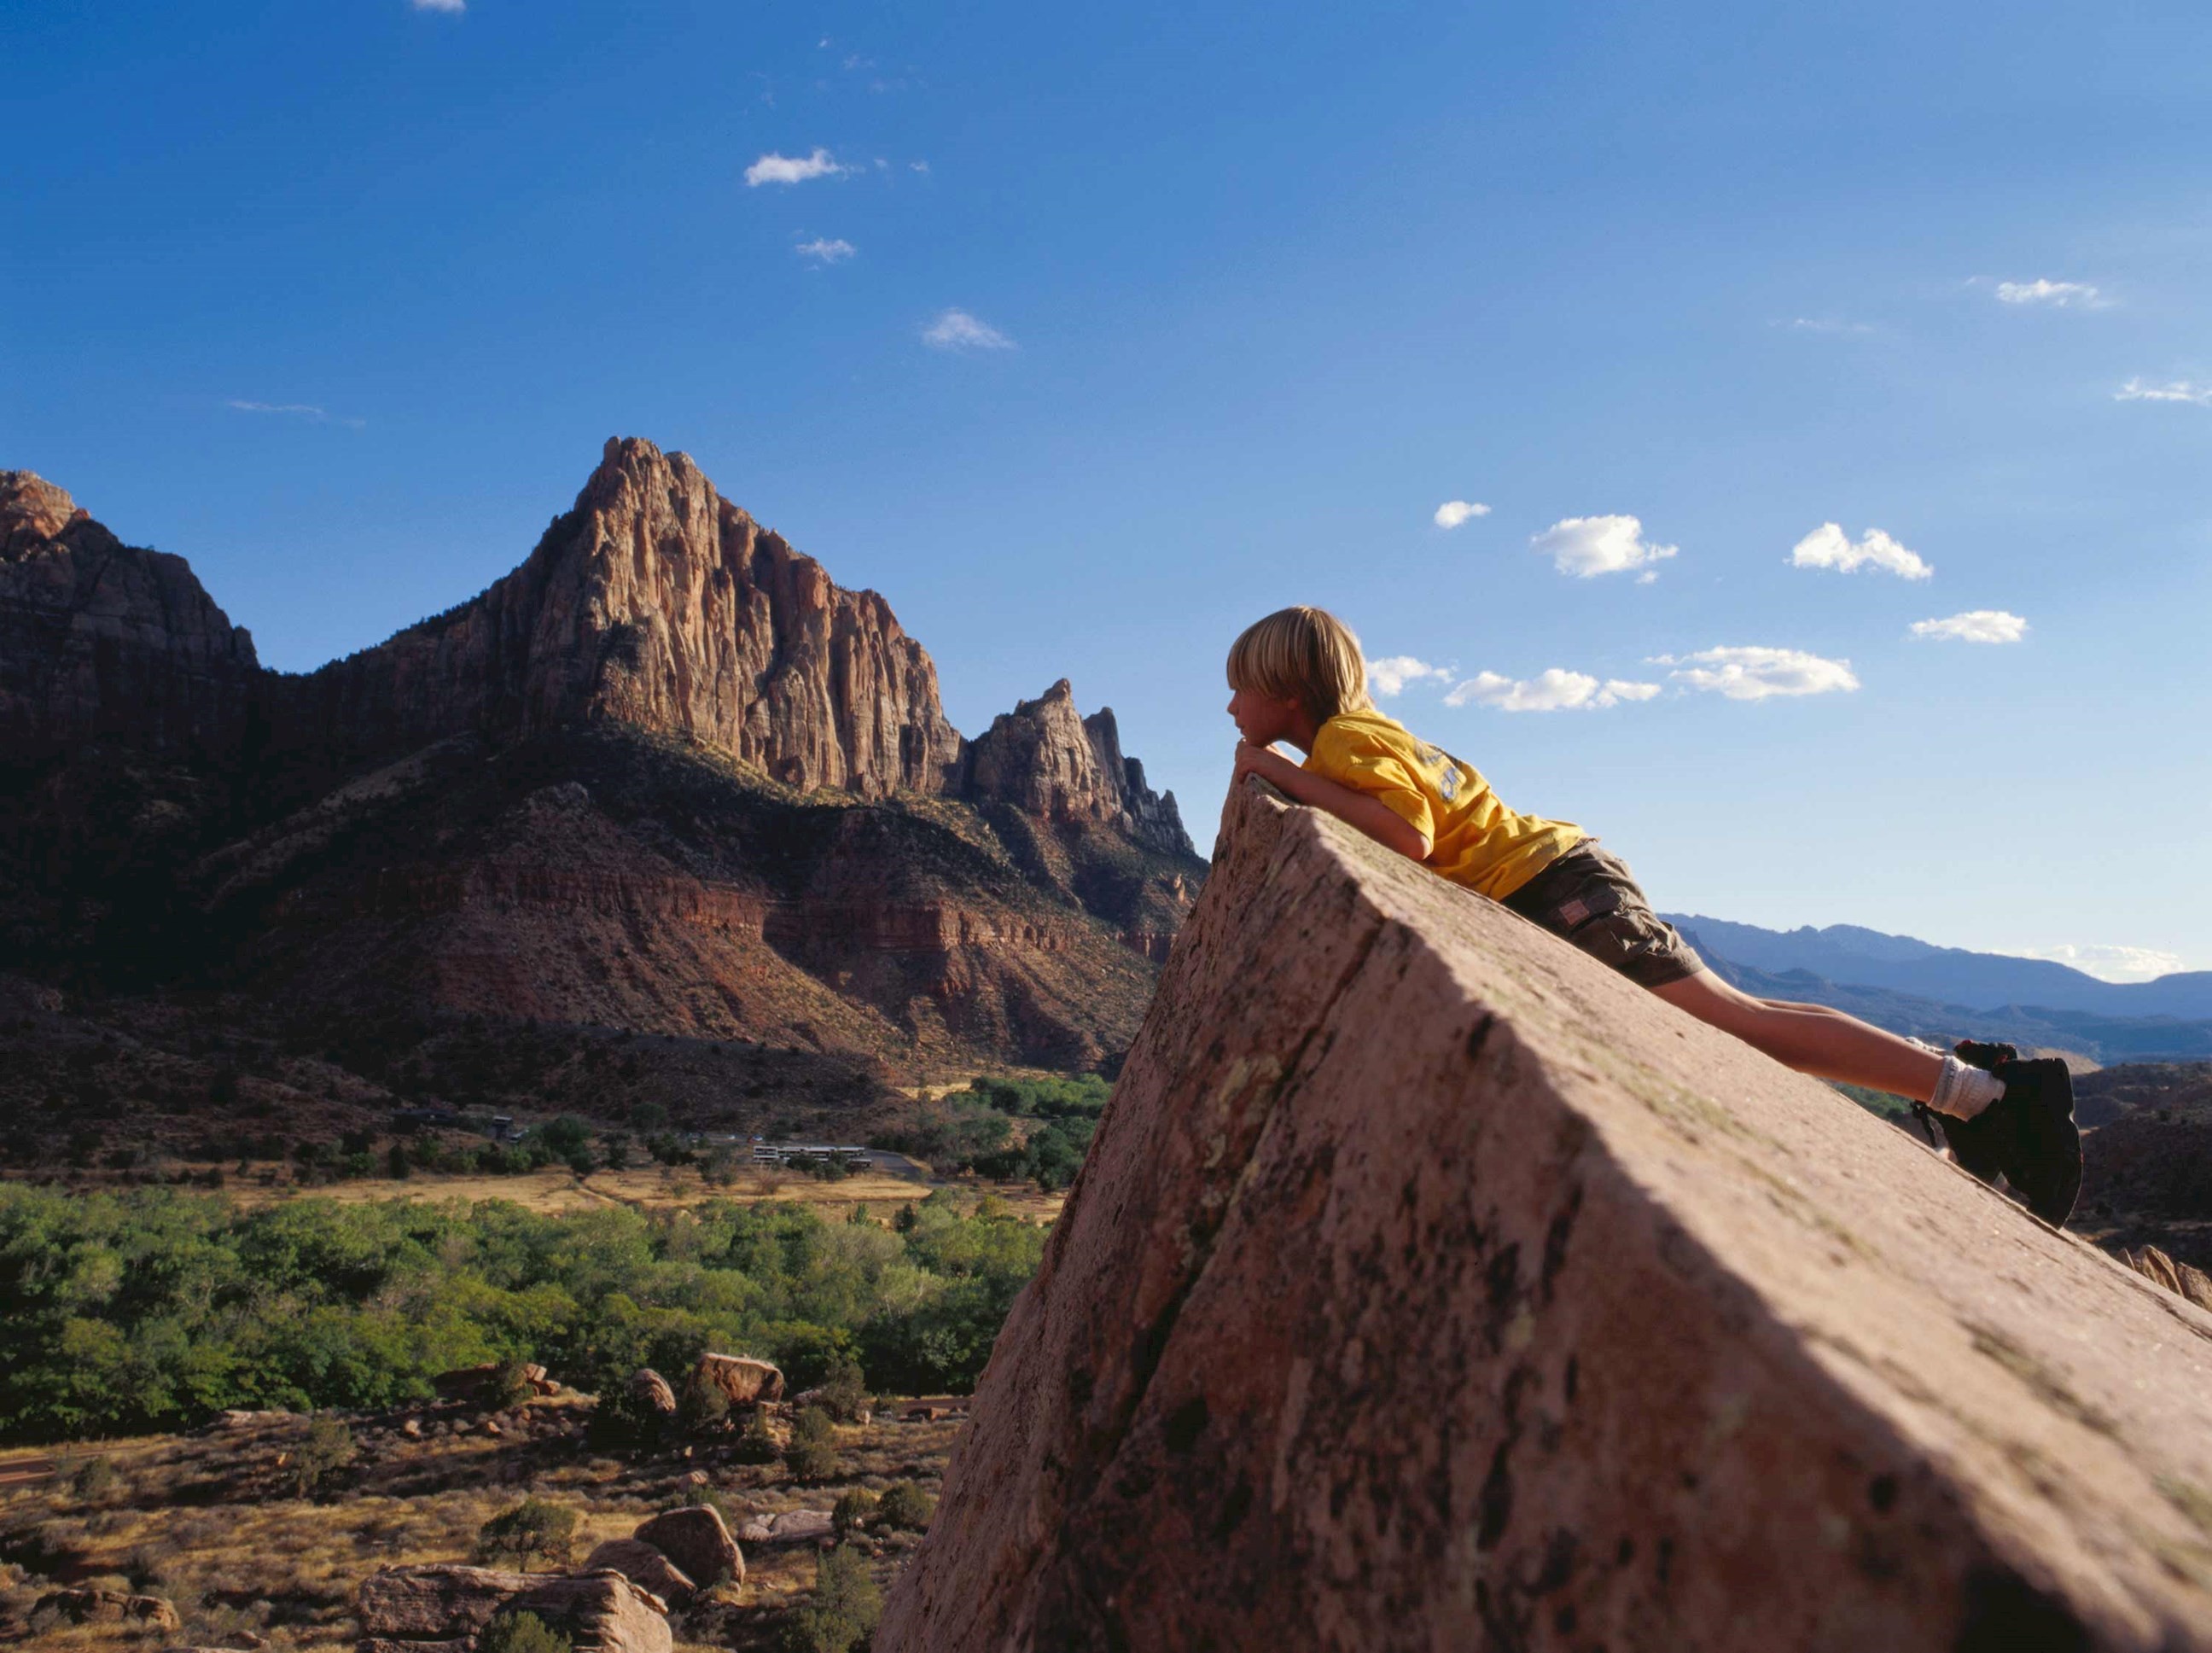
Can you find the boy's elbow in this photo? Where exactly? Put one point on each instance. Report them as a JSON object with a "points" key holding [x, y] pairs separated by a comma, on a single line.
{"points": [[1415, 843]]}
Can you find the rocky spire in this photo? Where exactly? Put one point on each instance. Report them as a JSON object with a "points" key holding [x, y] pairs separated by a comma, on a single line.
{"points": [[1044, 758]]}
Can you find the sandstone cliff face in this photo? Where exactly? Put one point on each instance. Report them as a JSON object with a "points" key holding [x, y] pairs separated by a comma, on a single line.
{"points": [[1429, 1287], [1047, 760], [657, 602], [101, 642]]}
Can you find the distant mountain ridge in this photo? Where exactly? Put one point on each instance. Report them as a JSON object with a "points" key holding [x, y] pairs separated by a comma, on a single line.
{"points": [[1847, 953]]}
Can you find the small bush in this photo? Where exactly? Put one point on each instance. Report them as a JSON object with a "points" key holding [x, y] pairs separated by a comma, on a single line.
{"points": [[703, 1407], [95, 1481], [521, 1632], [509, 1386], [536, 1528], [843, 1612], [853, 1512], [904, 1504], [328, 1449], [812, 1454]]}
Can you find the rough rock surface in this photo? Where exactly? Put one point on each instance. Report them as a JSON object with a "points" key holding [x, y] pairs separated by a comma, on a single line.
{"points": [[792, 1527], [644, 1565], [745, 1381], [696, 1540], [600, 1613], [103, 641], [440, 1599], [1429, 1286]]}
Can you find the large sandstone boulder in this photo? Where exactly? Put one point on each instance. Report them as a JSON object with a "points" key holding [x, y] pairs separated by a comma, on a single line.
{"points": [[746, 1382], [600, 1613], [438, 1601], [1431, 1286], [698, 1541], [644, 1565]]}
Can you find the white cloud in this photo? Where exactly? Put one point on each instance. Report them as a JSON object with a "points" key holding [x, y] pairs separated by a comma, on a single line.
{"points": [[2111, 963], [307, 410], [956, 329], [2058, 295], [1452, 512], [1974, 626], [1754, 672], [1827, 324], [1829, 547], [1389, 676], [1552, 690], [1588, 546], [823, 252], [919, 166], [440, 5], [774, 168], [2180, 390]]}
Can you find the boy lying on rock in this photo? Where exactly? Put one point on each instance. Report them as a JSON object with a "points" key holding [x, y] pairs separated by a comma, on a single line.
{"points": [[1298, 677]]}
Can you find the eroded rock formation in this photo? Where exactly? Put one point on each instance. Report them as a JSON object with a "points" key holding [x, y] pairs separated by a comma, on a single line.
{"points": [[1429, 1286], [1049, 761], [103, 641]]}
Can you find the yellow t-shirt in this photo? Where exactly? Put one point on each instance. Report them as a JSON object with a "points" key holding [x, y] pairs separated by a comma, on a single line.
{"points": [[1474, 839]]}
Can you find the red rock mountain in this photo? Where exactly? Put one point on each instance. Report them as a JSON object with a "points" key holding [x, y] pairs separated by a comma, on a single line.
{"points": [[666, 776]]}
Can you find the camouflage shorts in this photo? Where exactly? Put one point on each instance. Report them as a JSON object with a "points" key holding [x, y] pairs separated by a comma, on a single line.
{"points": [[1590, 897]]}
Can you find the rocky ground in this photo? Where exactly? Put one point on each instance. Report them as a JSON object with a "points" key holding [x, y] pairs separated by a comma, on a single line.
{"points": [[212, 1538]]}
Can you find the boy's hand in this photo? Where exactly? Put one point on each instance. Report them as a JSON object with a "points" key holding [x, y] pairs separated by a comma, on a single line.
{"points": [[1262, 761]]}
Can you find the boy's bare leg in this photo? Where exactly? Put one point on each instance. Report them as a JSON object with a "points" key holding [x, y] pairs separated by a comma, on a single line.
{"points": [[1811, 1038]]}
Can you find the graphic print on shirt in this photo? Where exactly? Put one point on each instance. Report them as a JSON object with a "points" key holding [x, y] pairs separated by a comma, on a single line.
{"points": [[1447, 781]]}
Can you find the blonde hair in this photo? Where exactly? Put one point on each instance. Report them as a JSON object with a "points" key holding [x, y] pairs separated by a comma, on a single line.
{"points": [[1306, 654]]}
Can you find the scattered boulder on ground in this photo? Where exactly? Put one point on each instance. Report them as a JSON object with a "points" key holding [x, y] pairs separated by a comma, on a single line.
{"points": [[697, 1541], [439, 1600], [792, 1527], [651, 1388], [111, 1607], [745, 1381], [644, 1566], [1431, 1286], [600, 1612]]}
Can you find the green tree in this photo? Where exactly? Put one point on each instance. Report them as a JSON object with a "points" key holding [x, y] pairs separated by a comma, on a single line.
{"points": [[853, 1511], [328, 1448], [904, 1504], [536, 1528], [522, 1633]]}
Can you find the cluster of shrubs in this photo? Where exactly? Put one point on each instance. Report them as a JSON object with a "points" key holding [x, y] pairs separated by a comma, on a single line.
{"points": [[977, 1130], [154, 1308]]}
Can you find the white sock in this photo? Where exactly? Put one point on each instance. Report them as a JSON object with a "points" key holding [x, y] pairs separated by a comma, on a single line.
{"points": [[1963, 1091]]}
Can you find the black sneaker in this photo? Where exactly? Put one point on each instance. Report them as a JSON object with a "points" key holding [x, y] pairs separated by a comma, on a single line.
{"points": [[2040, 1147], [1977, 1142]]}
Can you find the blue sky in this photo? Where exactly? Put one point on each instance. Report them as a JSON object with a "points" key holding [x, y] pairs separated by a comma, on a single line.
{"points": [[340, 301]]}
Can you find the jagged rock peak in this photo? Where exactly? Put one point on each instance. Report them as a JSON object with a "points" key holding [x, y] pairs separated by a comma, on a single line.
{"points": [[656, 602], [1046, 759], [33, 511], [105, 642]]}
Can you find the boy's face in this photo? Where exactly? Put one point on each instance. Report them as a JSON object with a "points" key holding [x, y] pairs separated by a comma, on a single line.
{"points": [[1262, 719]]}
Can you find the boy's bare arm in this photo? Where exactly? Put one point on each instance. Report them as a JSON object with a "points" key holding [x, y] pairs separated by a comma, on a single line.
{"points": [[1355, 809]]}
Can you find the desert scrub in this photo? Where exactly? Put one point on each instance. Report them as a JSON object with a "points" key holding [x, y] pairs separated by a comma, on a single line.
{"points": [[812, 1454], [843, 1612], [853, 1511], [521, 1632], [904, 1506], [535, 1528]]}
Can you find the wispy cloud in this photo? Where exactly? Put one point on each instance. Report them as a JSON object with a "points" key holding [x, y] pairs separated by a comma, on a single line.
{"points": [[1586, 547], [2178, 390], [2111, 964], [774, 168], [304, 411], [956, 329], [440, 5], [1974, 626], [918, 166], [1390, 675], [1552, 690], [1452, 512], [1826, 324], [2057, 295], [1829, 547], [1754, 672], [826, 252]]}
